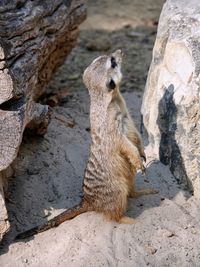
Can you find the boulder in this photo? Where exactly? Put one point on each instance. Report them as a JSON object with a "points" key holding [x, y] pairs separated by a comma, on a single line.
{"points": [[35, 37], [171, 102]]}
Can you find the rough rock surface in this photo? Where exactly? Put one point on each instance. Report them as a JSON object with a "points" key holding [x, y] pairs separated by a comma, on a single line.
{"points": [[35, 38], [171, 103]]}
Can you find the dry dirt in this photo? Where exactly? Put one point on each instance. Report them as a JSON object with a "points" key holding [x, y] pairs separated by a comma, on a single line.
{"points": [[49, 170]]}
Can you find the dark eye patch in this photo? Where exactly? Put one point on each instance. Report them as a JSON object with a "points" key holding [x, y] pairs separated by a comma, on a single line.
{"points": [[113, 62], [111, 85]]}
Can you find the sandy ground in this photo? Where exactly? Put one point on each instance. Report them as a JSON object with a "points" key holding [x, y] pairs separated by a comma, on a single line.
{"points": [[49, 170]]}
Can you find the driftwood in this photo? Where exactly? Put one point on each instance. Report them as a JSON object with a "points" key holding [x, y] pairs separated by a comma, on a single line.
{"points": [[35, 37]]}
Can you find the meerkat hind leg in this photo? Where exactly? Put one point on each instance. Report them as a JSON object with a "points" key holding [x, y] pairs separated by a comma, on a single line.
{"points": [[127, 220], [147, 191]]}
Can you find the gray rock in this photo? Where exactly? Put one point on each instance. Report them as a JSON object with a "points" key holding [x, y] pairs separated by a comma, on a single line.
{"points": [[171, 102]]}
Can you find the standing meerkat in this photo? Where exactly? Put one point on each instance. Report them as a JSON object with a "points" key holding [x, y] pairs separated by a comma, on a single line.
{"points": [[116, 148]]}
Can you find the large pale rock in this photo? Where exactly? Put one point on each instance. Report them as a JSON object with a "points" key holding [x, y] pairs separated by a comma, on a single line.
{"points": [[35, 37], [171, 103]]}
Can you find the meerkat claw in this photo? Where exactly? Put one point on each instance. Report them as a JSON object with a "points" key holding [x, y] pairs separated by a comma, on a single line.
{"points": [[143, 169], [144, 158]]}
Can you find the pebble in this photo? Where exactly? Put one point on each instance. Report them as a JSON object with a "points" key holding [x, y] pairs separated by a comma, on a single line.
{"points": [[100, 44], [75, 76], [135, 34], [140, 205], [168, 234], [33, 171], [46, 213], [151, 249], [46, 164]]}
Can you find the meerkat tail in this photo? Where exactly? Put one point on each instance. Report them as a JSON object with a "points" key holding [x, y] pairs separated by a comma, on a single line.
{"points": [[56, 221]]}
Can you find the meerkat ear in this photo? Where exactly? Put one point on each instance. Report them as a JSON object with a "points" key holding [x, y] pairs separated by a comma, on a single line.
{"points": [[111, 85]]}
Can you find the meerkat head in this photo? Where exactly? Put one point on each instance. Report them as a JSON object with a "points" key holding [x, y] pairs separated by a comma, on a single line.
{"points": [[102, 77]]}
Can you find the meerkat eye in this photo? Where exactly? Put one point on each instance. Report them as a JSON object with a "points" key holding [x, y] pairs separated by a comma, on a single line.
{"points": [[111, 85], [113, 62]]}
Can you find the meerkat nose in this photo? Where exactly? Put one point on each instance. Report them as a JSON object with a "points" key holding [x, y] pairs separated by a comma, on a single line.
{"points": [[119, 53]]}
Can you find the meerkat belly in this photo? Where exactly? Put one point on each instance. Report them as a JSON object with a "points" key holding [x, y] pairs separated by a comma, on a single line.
{"points": [[124, 124], [106, 182], [128, 128]]}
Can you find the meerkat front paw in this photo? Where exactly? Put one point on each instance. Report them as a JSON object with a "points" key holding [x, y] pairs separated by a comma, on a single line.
{"points": [[139, 166], [144, 158], [143, 169]]}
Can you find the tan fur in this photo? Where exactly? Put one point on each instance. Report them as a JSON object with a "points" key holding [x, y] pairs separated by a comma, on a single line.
{"points": [[115, 152], [116, 148]]}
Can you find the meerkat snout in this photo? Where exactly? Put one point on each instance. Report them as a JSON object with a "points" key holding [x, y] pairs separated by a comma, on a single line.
{"points": [[114, 70], [104, 75], [116, 58]]}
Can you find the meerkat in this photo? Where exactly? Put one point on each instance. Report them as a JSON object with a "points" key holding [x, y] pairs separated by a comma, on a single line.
{"points": [[116, 149]]}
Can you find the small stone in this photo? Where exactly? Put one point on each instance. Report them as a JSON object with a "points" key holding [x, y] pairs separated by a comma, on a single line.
{"points": [[100, 44], [46, 164], [140, 205], [127, 26], [46, 213], [51, 199], [168, 234], [151, 250], [190, 226], [74, 76], [33, 171], [71, 123], [135, 34]]}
